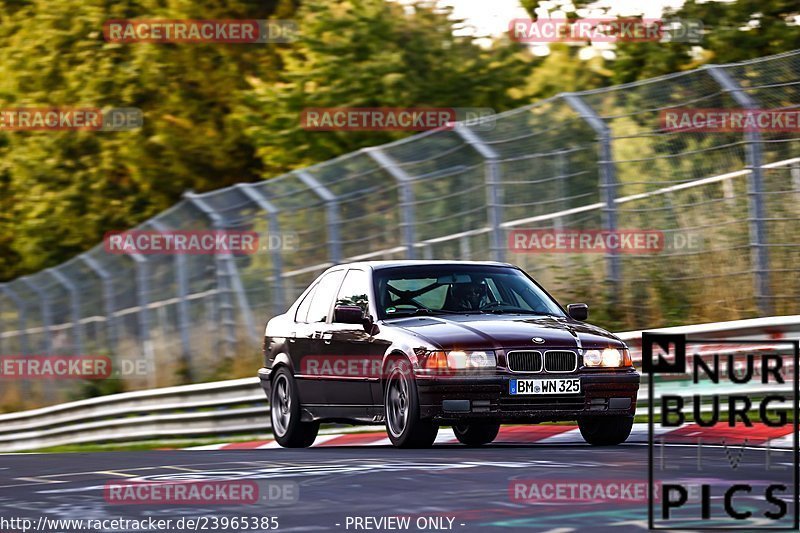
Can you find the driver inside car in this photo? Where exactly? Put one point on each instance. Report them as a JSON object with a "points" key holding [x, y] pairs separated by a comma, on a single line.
{"points": [[469, 296]]}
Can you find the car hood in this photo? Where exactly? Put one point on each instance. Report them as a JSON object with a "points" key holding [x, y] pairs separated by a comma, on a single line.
{"points": [[497, 332]]}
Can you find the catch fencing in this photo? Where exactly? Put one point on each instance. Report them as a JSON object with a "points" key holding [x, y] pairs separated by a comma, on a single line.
{"points": [[594, 160]]}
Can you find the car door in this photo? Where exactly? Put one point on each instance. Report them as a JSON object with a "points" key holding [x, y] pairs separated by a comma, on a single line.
{"points": [[352, 348], [311, 321]]}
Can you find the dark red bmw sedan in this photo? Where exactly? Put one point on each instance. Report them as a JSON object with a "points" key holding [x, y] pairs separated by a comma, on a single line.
{"points": [[419, 344]]}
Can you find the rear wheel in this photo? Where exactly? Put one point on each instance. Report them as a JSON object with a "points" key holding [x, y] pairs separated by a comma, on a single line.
{"points": [[289, 430], [605, 430], [401, 406], [476, 433]]}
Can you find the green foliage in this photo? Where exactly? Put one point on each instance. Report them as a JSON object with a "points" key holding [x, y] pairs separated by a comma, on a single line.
{"points": [[733, 31], [371, 53], [61, 191], [214, 114]]}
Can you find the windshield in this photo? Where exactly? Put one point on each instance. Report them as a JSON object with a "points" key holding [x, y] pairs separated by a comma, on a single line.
{"points": [[447, 289]]}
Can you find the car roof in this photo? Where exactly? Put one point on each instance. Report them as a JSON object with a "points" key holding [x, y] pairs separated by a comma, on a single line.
{"points": [[378, 265]]}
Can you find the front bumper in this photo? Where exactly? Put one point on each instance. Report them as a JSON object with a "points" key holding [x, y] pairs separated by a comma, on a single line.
{"points": [[450, 399]]}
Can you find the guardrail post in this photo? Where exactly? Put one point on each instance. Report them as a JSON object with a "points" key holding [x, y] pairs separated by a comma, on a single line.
{"points": [[47, 319], [75, 307], [257, 197], [494, 192], [405, 183], [608, 184], [755, 194], [183, 309], [227, 279], [331, 212]]}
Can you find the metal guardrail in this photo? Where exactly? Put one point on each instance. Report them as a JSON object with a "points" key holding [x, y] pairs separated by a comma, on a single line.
{"points": [[239, 407], [205, 409]]}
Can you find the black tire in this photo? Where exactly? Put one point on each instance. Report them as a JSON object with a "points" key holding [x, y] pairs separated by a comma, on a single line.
{"points": [[605, 430], [289, 430], [475, 433], [401, 408]]}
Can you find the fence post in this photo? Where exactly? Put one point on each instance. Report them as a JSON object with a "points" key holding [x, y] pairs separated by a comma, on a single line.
{"points": [[22, 324], [44, 303], [142, 288], [227, 274], [257, 197], [561, 167], [22, 318], [75, 305], [404, 182], [108, 299], [608, 184], [758, 240], [331, 212], [183, 311], [494, 192]]}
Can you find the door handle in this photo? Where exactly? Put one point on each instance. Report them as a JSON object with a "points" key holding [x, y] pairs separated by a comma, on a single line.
{"points": [[327, 337]]}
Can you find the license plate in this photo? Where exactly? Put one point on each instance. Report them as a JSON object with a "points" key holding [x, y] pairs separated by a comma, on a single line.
{"points": [[544, 386]]}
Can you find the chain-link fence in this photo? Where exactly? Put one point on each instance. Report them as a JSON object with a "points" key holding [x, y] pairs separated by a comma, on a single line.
{"points": [[596, 160]]}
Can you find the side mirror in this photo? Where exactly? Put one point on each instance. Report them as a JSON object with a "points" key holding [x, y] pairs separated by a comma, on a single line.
{"points": [[370, 326], [348, 314], [578, 311]]}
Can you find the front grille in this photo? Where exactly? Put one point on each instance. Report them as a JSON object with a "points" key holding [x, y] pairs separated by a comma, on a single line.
{"points": [[560, 361], [525, 361]]}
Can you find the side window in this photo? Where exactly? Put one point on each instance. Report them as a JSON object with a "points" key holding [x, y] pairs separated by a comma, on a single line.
{"points": [[323, 296], [354, 290], [302, 310]]}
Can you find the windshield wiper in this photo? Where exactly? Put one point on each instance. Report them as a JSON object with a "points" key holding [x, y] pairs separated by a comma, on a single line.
{"points": [[426, 311], [414, 312], [513, 309]]}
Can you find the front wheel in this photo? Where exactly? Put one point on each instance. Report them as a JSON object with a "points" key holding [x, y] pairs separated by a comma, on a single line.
{"points": [[605, 430], [289, 430], [401, 405], [476, 433]]}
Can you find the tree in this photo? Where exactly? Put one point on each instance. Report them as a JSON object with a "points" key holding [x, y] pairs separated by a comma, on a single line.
{"points": [[60, 191], [733, 31], [372, 53]]}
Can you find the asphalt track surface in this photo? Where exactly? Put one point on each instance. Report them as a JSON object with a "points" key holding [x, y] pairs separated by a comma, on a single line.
{"points": [[473, 486]]}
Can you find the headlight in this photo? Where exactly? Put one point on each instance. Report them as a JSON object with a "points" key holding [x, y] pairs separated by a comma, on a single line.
{"points": [[460, 360], [592, 358], [611, 357], [608, 358]]}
